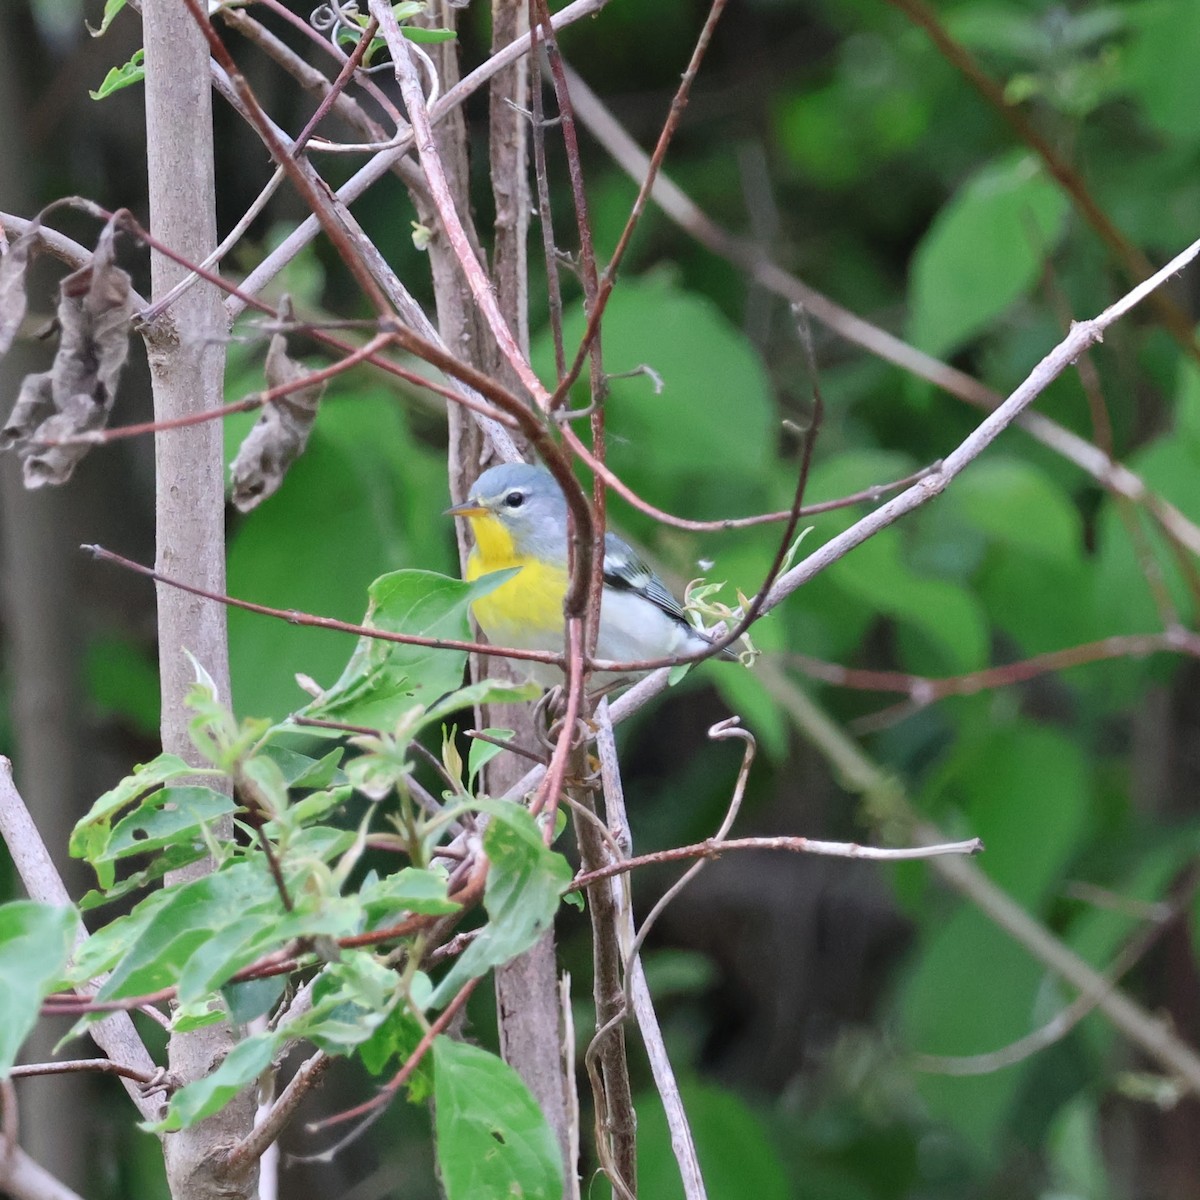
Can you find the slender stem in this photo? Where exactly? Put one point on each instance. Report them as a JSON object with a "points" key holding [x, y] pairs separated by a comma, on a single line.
{"points": [[294, 617], [712, 848]]}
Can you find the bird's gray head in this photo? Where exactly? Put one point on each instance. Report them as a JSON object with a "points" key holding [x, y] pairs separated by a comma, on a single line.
{"points": [[528, 502]]}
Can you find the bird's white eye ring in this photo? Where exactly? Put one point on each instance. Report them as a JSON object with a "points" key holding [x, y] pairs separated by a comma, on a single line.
{"points": [[514, 499]]}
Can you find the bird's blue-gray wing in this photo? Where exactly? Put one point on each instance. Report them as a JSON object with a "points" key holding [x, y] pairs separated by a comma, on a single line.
{"points": [[625, 571]]}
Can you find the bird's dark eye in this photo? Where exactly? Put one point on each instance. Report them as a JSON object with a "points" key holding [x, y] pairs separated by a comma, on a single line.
{"points": [[514, 499]]}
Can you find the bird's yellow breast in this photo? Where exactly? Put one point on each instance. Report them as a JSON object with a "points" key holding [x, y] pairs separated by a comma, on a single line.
{"points": [[525, 611]]}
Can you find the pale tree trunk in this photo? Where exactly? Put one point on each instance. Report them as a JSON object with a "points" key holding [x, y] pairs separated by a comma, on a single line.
{"points": [[186, 351]]}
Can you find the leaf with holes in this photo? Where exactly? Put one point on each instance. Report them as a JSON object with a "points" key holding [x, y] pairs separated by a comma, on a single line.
{"points": [[170, 815], [493, 1142]]}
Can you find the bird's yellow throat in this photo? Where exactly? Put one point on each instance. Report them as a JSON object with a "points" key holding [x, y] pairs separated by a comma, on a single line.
{"points": [[525, 610], [494, 549]]}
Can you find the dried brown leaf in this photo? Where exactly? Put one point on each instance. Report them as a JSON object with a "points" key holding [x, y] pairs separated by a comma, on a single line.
{"points": [[35, 403], [279, 435], [74, 398], [51, 458], [12, 286]]}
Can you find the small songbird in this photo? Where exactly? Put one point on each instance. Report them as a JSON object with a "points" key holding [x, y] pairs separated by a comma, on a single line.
{"points": [[518, 515]]}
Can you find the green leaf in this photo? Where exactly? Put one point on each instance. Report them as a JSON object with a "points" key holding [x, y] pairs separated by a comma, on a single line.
{"points": [[1161, 69], [364, 485], [92, 829], [314, 806], [417, 33], [984, 250], [524, 883], [410, 889], [170, 815], [482, 753], [263, 778], [303, 771], [493, 1143], [121, 77], [1026, 791], [1122, 601], [973, 991], [736, 1156], [484, 691], [111, 8], [35, 943], [351, 998], [713, 383], [194, 914], [1030, 524], [1019, 506], [945, 615], [252, 998], [169, 859], [394, 1040], [385, 680], [227, 950], [109, 944], [242, 1065]]}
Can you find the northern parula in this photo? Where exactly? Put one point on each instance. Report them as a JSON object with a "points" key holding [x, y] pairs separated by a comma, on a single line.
{"points": [[518, 515]]}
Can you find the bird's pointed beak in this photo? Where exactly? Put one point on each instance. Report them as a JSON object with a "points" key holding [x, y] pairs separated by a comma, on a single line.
{"points": [[468, 508]]}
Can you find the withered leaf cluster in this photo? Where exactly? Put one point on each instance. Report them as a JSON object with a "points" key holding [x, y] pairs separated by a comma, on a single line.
{"points": [[281, 433], [12, 287], [56, 409]]}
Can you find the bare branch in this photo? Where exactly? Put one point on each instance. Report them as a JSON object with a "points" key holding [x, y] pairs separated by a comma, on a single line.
{"points": [[116, 1036], [679, 207], [408, 77], [24, 1179], [383, 162], [294, 617], [267, 1131], [75, 1066], [715, 847], [683, 1145]]}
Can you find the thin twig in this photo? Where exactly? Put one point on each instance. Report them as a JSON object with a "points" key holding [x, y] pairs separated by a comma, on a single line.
{"points": [[385, 1095], [713, 848], [744, 254], [295, 617], [409, 80], [344, 75], [253, 401], [861, 775], [383, 162], [1066, 1019], [923, 690], [683, 1145], [678, 104], [78, 1066], [306, 181]]}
